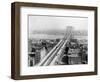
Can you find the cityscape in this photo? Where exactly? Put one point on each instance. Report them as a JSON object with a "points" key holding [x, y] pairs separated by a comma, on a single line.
{"points": [[53, 47], [75, 51]]}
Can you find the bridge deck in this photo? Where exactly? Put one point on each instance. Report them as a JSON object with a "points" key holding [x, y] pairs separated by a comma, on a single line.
{"points": [[50, 58]]}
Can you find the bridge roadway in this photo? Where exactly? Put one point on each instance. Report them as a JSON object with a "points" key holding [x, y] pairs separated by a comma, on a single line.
{"points": [[51, 57]]}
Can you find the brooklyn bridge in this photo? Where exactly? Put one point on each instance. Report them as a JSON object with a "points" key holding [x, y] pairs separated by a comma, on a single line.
{"points": [[54, 55], [58, 55]]}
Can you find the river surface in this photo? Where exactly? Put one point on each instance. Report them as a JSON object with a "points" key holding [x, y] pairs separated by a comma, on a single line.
{"points": [[46, 36]]}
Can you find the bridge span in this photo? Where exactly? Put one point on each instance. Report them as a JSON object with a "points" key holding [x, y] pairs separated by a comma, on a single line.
{"points": [[56, 52]]}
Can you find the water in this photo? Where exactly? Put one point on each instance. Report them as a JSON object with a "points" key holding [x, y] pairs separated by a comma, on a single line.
{"points": [[81, 37], [45, 36]]}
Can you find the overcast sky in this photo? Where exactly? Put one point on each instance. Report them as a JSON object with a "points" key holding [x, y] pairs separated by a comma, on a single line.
{"points": [[49, 23]]}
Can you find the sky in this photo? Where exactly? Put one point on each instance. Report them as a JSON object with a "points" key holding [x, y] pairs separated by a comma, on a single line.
{"points": [[55, 23]]}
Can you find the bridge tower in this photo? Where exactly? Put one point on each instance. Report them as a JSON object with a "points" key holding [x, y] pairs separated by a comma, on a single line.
{"points": [[69, 30]]}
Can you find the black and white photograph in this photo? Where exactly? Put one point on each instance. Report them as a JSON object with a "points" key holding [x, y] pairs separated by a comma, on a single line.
{"points": [[57, 40], [53, 40]]}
